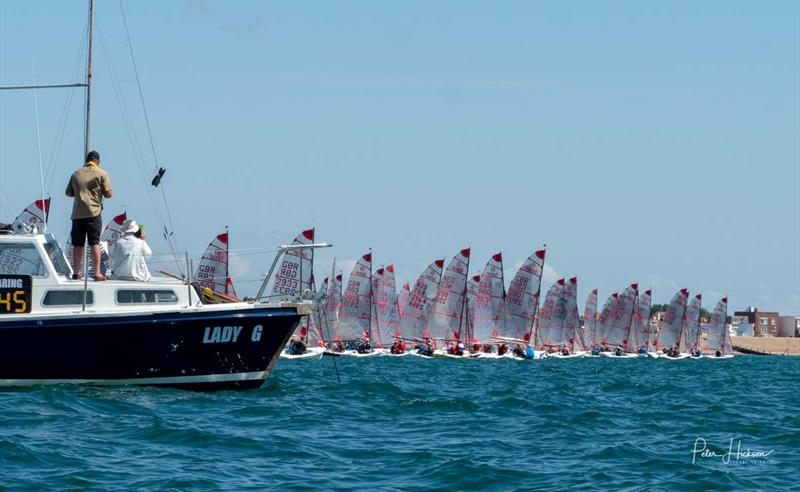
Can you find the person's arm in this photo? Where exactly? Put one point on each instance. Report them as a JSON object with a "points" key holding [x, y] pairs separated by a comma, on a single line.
{"points": [[105, 186], [70, 192], [146, 251]]}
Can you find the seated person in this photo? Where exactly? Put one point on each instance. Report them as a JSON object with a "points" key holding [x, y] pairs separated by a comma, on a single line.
{"points": [[642, 350], [595, 350], [129, 252], [502, 349], [459, 349], [299, 347], [529, 352], [518, 352], [564, 350], [618, 351], [718, 354]]}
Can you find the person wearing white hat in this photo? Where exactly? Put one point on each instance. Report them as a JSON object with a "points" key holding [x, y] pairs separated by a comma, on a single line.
{"points": [[129, 252]]}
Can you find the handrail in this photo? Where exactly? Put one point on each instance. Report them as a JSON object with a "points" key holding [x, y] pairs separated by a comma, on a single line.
{"points": [[281, 250]]}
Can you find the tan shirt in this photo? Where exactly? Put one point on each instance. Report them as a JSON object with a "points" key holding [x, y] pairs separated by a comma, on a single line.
{"points": [[88, 185]]}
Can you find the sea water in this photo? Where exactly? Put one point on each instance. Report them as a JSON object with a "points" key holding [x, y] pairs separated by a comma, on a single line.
{"points": [[419, 424]]}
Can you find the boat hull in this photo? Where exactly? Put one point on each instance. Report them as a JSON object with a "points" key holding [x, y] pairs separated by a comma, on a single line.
{"points": [[219, 349]]}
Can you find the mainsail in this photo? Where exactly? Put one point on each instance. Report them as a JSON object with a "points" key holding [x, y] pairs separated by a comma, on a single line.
{"points": [[318, 320], [414, 322], [212, 272], [552, 316], [645, 302], [402, 299], [670, 333], [522, 300], [590, 320], [388, 313], [472, 292], [448, 306], [718, 337], [489, 300], [296, 269], [607, 314], [573, 328], [692, 324], [34, 215], [621, 321], [332, 303], [355, 312]]}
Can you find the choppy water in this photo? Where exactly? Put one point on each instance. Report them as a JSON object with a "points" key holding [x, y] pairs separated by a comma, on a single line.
{"points": [[416, 424]]}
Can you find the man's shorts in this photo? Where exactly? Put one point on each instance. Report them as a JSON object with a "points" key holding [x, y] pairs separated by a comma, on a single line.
{"points": [[86, 228]]}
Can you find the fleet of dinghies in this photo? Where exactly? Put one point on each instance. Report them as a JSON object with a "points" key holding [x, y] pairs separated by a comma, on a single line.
{"points": [[448, 313]]}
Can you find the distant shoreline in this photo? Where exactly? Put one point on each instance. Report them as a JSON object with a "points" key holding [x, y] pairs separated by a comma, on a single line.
{"points": [[766, 345]]}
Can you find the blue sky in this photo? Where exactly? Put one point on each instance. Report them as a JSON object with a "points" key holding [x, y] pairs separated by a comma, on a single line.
{"points": [[655, 142]]}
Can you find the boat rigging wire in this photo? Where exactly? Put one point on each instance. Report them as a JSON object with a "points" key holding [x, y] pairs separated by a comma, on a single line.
{"points": [[137, 153], [39, 149], [159, 172]]}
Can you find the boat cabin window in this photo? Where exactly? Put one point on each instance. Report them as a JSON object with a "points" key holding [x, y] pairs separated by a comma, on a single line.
{"points": [[146, 296], [21, 259], [57, 257], [67, 298]]}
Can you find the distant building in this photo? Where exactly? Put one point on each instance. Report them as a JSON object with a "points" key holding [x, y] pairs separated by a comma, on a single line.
{"points": [[789, 326], [763, 323]]}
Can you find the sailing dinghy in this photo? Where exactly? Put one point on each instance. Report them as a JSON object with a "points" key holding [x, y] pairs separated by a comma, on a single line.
{"points": [[719, 338]]}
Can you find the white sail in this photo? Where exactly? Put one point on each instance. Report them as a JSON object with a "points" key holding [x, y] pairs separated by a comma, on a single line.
{"points": [[718, 338], [522, 299], [386, 306], [693, 321], [631, 343], [448, 306], [643, 338], [472, 292], [293, 276], [574, 330], [356, 310], [34, 215], [489, 300], [332, 303], [552, 317], [590, 320], [403, 298], [212, 271], [415, 318], [607, 314], [670, 332], [620, 324], [316, 334]]}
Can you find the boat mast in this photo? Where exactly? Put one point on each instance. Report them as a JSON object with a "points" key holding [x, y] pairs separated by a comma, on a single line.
{"points": [[88, 118], [86, 134]]}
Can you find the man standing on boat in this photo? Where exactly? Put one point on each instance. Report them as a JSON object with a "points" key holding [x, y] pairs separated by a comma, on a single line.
{"points": [[88, 185]]}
